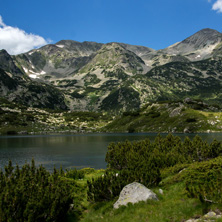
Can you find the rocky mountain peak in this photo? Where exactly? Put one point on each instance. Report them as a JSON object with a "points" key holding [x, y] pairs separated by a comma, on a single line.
{"points": [[7, 63], [203, 37], [113, 56], [138, 50], [79, 48], [207, 31], [199, 46], [3, 52]]}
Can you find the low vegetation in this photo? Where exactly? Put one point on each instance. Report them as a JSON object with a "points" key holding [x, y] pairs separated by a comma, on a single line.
{"points": [[19, 119], [182, 116], [166, 116], [33, 194], [188, 172]]}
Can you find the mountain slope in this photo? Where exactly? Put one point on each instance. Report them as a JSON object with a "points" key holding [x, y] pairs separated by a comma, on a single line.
{"points": [[18, 87], [115, 77], [178, 80], [183, 116], [198, 46]]}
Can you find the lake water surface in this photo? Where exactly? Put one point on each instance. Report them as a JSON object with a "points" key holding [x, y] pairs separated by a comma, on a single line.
{"points": [[69, 151]]}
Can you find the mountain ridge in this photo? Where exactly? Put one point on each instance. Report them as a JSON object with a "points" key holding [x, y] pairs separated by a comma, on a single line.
{"points": [[116, 77]]}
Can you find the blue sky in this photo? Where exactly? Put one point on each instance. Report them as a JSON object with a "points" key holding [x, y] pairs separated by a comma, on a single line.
{"points": [[156, 24]]}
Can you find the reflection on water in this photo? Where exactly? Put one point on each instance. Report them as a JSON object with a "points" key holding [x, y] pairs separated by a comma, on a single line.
{"points": [[70, 150]]}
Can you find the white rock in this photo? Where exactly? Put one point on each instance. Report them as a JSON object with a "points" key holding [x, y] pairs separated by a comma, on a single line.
{"points": [[161, 191], [210, 214], [133, 193]]}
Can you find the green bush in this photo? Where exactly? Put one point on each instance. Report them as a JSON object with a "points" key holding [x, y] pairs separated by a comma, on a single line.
{"points": [[153, 114], [191, 120], [33, 194], [109, 185], [87, 170], [204, 180], [164, 152], [74, 174], [142, 161]]}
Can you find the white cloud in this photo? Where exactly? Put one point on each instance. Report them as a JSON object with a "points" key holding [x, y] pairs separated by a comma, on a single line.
{"points": [[15, 40], [217, 6]]}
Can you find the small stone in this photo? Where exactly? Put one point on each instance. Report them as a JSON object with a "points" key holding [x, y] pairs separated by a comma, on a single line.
{"points": [[182, 170], [210, 214], [161, 191], [188, 100], [187, 130]]}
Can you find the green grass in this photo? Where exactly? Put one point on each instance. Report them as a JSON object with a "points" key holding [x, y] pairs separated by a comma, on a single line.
{"points": [[81, 194], [158, 118], [173, 205]]}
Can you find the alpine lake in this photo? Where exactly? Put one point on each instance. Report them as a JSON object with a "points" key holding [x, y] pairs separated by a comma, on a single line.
{"points": [[72, 151]]}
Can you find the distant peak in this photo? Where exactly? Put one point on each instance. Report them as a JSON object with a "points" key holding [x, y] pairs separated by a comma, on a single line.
{"points": [[75, 42], [3, 51], [205, 35], [66, 41], [208, 31]]}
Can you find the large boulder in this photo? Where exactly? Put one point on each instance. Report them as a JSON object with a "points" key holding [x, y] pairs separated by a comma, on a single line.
{"points": [[133, 193]]}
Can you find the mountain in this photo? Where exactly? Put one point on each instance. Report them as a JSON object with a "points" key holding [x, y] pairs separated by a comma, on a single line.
{"points": [[114, 77], [198, 46], [16, 86], [59, 60]]}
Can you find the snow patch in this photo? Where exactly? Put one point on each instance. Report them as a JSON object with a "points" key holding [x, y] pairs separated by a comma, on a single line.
{"points": [[33, 76], [26, 70], [42, 72], [198, 56], [31, 53], [60, 46], [9, 74]]}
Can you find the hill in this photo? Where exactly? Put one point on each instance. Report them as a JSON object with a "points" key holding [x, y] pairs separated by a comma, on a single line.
{"points": [[188, 116]]}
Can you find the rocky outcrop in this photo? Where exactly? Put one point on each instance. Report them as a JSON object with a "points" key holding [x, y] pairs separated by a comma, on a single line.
{"points": [[209, 217], [198, 46], [134, 193], [17, 87]]}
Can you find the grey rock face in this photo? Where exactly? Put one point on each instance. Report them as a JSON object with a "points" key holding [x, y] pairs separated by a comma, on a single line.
{"points": [[7, 64], [196, 47], [187, 100], [17, 87], [79, 48], [133, 193], [202, 38], [138, 50], [210, 216]]}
